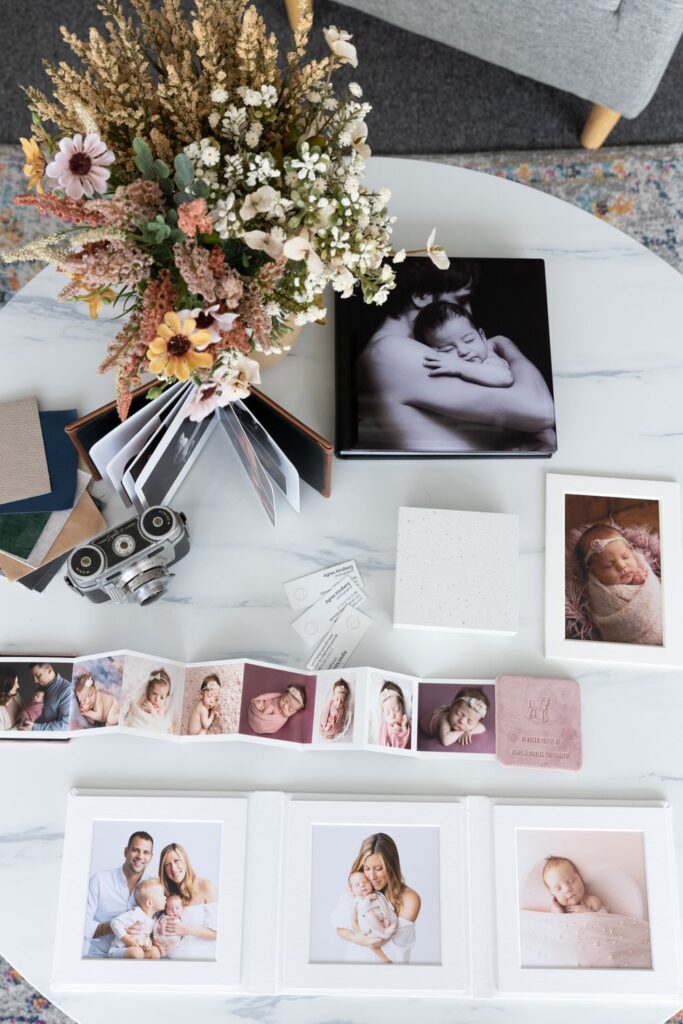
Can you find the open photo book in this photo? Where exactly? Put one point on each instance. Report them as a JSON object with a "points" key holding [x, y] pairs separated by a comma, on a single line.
{"points": [[538, 720], [146, 457], [275, 893]]}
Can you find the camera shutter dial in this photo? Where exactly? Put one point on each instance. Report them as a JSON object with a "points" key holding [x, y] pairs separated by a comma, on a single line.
{"points": [[87, 561], [157, 522]]}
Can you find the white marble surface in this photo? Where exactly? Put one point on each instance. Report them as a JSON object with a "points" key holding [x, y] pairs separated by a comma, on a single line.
{"points": [[615, 314]]}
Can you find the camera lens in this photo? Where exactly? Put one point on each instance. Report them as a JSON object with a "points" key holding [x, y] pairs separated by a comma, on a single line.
{"points": [[86, 561], [146, 580], [156, 522]]}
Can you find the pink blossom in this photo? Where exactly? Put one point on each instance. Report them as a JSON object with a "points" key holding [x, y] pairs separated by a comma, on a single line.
{"points": [[228, 382], [80, 167]]}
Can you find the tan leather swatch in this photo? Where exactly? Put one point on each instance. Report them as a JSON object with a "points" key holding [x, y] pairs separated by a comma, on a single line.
{"points": [[23, 465]]}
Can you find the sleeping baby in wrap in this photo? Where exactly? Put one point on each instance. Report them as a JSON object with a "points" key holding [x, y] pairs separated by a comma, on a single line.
{"points": [[580, 931], [624, 594]]}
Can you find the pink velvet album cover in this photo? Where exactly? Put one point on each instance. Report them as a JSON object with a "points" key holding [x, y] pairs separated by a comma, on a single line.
{"points": [[538, 723]]}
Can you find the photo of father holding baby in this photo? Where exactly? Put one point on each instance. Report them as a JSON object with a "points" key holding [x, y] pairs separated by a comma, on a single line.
{"points": [[153, 892], [456, 361], [375, 895], [613, 571], [35, 697]]}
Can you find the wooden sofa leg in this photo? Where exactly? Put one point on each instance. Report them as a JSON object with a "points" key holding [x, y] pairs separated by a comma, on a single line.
{"points": [[295, 9], [599, 123]]}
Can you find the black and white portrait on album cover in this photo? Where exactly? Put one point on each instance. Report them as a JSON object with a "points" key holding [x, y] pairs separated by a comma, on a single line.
{"points": [[456, 362]]}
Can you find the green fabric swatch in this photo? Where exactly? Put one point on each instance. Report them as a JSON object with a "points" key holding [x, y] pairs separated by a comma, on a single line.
{"points": [[19, 533]]}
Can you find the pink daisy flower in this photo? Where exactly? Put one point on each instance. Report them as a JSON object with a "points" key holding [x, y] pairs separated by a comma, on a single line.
{"points": [[80, 167]]}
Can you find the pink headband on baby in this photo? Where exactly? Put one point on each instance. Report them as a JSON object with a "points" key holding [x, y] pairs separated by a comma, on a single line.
{"points": [[598, 545], [388, 695], [476, 704]]}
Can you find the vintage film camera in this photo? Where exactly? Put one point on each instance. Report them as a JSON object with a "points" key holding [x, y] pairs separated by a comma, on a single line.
{"points": [[131, 560]]}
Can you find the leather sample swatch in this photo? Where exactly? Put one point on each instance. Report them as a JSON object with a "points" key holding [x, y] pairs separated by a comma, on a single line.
{"points": [[23, 463]]}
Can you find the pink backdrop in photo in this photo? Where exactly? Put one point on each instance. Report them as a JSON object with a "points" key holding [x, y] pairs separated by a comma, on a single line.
{"points": [[259, 679], [432, 695]]}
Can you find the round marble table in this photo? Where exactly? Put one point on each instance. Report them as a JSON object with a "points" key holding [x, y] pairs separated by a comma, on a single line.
{"points": [[615, 316]]}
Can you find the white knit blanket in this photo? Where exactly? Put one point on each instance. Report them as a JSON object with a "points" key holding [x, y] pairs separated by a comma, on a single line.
{"points": [[626, 613]]}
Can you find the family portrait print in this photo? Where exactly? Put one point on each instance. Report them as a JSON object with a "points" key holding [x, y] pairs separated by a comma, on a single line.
{"points": [[334, 707], [153, 890], [613, 574], [96, 693], [277, 704], [375, 895], [455, 362], [390, 702], [152, 695], [212, 699], [583, 899], [35, 696], [456, 718]]}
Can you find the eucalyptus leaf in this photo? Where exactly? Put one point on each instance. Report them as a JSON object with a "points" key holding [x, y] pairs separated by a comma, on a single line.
{"points": [[201, 189], [161, 169], [184, 171]]}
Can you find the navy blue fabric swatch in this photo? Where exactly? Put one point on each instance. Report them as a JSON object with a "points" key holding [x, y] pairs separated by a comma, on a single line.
{"points": [[62, 463]]}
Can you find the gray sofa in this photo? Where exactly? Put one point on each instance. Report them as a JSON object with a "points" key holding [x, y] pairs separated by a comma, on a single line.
{"points": [[611, 52]]}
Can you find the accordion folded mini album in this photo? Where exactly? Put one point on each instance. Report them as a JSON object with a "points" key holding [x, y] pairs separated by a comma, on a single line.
{"points": [[275, 893], [525, 721]]}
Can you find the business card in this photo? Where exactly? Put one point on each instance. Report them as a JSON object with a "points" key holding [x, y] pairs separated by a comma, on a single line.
{"points": [[305, 591], [316, 620], [337, 646]]}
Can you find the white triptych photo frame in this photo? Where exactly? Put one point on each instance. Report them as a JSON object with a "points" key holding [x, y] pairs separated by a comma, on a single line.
{"points": [[614, 570]]}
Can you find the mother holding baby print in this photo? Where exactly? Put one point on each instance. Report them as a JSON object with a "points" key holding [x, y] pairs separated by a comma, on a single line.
{"points": [[196, 925], [377, 902]]}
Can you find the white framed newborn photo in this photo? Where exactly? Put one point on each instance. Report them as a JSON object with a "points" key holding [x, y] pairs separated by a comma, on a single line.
{"points": [[151, 892], [373, 884], [586, 900], [614, 572]]}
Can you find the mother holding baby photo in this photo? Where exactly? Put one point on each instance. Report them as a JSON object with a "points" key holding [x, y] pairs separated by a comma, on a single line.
{"points": [[376, 914], [194, 921]]}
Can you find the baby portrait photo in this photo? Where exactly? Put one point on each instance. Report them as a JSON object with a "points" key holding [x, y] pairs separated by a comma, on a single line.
{"points": [[334, 707], [613, 576], [456, 718], [277, 704], [390, 711], [35, 697], [96, 693], [153, 890], [152, 695], [455, 362], [212, 699], [583, 899], [375, 895]]}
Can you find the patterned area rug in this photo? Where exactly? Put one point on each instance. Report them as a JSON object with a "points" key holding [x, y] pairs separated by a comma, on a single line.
{"points": [[639, 190]]}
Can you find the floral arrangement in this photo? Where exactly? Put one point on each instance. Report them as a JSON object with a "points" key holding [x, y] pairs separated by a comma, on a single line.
{"points": [[212, 191]]}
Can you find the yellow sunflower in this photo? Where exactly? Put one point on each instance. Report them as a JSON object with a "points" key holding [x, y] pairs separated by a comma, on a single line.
{"points": [[34, 168], [173, 353]]}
